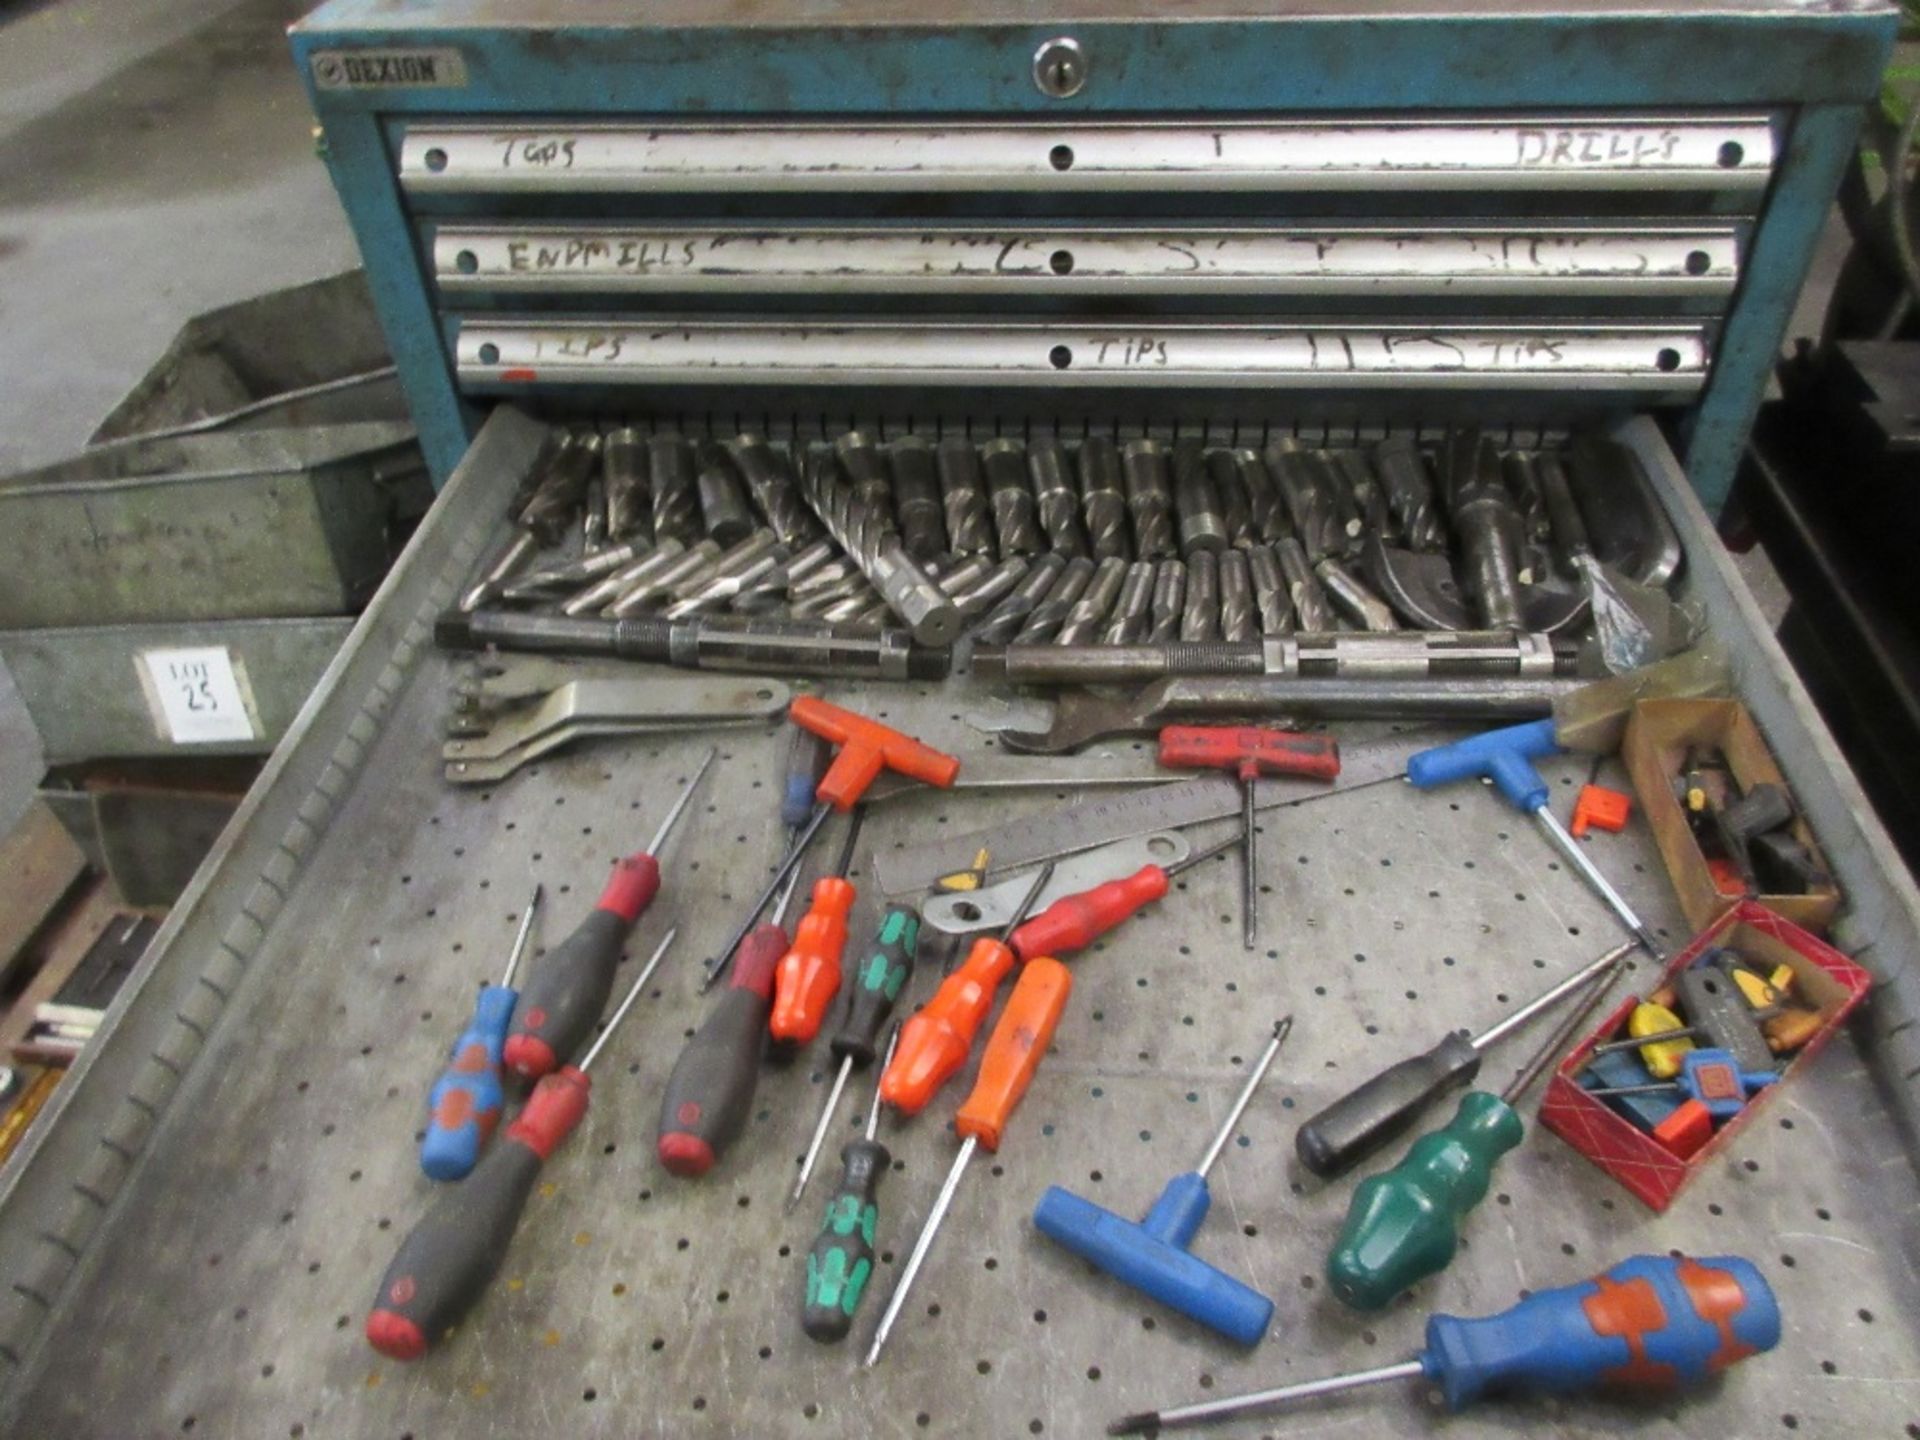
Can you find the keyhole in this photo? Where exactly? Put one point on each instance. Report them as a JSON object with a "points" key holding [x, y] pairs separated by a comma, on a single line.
{"points": [[1060, 68]]}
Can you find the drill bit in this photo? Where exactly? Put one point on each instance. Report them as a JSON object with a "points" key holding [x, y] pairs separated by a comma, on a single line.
{"points": [[916, 497], [1006, 618], [1055, 500], [1310, 605], [1350, 594], [921, 605], [1127, 621], [722, 495], [1103, 498], [1536, 530], [695, 565], [609, 588], [1196, 502], [1236, 598], [1268, 513], [1403, 475], [1083, 620], [731, 562], [568, 464], [1014, 517], [963, 496], [1489, 530], [1200, 619], [1236, 506], [768, 472], [1149, 499], [1168, 602], [676, 498], [629, 495], [1270, 596], [1047, 616], [1349, 529]]}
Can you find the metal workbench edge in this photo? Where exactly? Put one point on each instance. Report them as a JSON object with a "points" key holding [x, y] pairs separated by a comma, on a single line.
{"points": [[62, 1185]]}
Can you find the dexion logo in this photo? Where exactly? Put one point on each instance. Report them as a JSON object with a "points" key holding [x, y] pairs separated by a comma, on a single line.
{"points": [[388, 69]]}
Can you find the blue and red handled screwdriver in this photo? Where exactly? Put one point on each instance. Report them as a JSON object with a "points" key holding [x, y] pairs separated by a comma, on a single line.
{"points": [[464, 1104], [1654, 1324]]}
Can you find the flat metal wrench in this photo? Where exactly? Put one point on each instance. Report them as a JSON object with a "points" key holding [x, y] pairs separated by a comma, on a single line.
{"points": [[635, 701]]}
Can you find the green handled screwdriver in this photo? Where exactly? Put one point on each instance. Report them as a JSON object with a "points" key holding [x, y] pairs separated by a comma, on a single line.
{"points": [[882, 975], [1404, 1224], [841, 1261]]}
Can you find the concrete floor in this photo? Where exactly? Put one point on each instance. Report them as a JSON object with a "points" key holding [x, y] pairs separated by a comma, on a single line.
{"points": [[156, 160]]}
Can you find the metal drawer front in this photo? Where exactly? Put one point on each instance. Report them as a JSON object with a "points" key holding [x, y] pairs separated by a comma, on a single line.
{"points": [[1699, 152], [547, 259], [1669, 359]]}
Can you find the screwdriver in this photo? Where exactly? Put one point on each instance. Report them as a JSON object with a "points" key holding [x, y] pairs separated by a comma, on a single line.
{"points": [[1651, 1323], [808, 976], [881, 978], [841, 1261], [710, 1092], [1013, 1052], [452, 1255], [807, 757], [936, 1038], [1404, 1225], [1074, 922], [866, 748], [1365, 1118], [569, 988], [464, 1104], [1250, 752]]}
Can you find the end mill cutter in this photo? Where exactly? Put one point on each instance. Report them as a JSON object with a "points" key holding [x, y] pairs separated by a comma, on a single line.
{"points": [[1168, 602], [1268, 513], [1196, 502], [1015, 520], [963, 496], [1056, 502], [916, 497], [1270, 598], [1236, 506], [623, 459], [1310, 605], [1103, 498], [1083, 620], [1200, 619], [1003, 622], [1051, 612], [1149, 499], [864, 471], [1236, 598], [722, 495], [1403, 475], [1126, 623], [676, 499], [768, 471]]}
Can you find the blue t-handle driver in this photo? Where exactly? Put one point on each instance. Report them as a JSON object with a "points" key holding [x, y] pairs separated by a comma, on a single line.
{"points": [[1152, 1255], [1506, 757]]}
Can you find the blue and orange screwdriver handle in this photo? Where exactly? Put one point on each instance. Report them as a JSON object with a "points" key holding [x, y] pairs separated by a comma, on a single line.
{"points": [[447, 1261], [562, 1003], [464, 1104], [1654, 1324], [1506, 757]]}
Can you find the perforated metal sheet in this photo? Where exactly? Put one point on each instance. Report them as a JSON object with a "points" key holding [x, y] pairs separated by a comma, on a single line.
{"points": [[227, 1297]]}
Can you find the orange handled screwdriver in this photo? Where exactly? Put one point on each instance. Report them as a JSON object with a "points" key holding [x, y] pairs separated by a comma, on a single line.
{"points": [[1250, 752], [809, 974], [936, 1038], [866, 748], [1020, 1038], [1074, 922]]}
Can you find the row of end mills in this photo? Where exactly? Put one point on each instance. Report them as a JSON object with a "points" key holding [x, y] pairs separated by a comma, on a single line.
{"points": [[1101, 542]]}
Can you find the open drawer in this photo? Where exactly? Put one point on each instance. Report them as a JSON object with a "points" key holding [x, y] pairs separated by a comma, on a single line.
{"points": [[190, 1238]]}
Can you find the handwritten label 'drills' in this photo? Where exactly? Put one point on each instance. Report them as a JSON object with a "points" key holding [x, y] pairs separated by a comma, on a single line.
{"points": [[1594, 148]]}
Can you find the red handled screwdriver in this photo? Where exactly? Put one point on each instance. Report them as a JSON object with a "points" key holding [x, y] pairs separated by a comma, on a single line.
{"points": [[710, 1093], [808, 976], [1250, 752], [1074, 922], [560, 1005], [464, 1104], [452, 1255]]}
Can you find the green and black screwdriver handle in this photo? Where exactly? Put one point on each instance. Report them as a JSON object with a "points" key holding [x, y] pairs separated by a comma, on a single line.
{"points": [[841, 1261]]}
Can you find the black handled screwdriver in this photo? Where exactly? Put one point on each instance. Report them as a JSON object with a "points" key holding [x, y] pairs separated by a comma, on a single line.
{"points": [[1365, 1118], [445, 1265], [841, 1261], [561, 1003], [882, 975]]}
